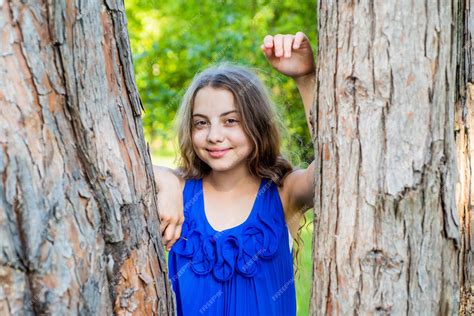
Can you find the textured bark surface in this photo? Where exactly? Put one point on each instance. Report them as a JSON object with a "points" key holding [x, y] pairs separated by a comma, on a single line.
{"points": [[465, 151], [79, 232], [387, 232]]}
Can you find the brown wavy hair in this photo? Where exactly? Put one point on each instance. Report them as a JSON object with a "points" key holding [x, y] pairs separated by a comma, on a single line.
{"points": [[259, 122]]}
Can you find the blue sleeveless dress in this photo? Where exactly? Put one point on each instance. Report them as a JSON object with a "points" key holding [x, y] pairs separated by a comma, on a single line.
{"points": [[244, 270]]}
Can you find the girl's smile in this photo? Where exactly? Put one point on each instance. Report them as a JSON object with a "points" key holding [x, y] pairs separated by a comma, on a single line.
{"points": [[217, 134], [217, 153]]}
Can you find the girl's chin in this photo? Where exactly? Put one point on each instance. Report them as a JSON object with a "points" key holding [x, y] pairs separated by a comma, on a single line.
{"points": [[218, 165], [222, 166]]}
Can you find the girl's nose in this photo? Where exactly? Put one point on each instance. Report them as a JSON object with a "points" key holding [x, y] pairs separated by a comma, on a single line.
{"points": [[215, 134]]}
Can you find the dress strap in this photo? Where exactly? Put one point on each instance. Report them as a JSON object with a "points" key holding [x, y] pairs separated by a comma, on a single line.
{"points": [[191, 193]]}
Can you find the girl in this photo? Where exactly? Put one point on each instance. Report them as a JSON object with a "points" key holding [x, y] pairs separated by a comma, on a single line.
{"points": [[229, 250]]}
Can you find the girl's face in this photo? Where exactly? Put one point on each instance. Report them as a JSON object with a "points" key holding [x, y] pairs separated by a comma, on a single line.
{"points": [[217, 134]]}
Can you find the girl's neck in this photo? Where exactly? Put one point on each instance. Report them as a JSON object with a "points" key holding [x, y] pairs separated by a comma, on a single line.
{"points": [[225, 181]]}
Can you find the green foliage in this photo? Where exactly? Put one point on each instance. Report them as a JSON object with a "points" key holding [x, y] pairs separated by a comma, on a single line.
{"points": [[172, 40]]}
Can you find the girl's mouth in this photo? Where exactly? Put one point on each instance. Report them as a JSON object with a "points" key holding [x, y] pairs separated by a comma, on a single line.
{"points": [[217, 153]]}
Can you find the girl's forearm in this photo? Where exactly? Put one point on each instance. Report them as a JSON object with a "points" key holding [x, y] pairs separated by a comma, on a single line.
{"points": [[306, 85]]}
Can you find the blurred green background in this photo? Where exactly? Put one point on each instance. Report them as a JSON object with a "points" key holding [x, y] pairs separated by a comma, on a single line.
{"points": [[172, 40]]}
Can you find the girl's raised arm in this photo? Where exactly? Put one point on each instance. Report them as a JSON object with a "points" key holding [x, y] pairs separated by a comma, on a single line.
{"points": [[170, 203], [292, 55]]}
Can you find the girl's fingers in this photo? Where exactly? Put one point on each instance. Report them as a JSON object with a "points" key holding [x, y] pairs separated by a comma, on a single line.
{"points": [[268, 41], [282, 45], [267, 52], [278, 43], [169, 234], [177, 234], [163, 224], [287, 44], [299, 37]]}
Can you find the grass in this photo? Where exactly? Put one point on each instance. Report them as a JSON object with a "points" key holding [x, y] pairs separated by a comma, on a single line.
{"points": [[303, 280]]}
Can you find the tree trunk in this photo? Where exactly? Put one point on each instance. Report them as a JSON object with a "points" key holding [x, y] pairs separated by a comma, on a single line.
{"points": [[464, 116], [78, 224], [387, 232]]}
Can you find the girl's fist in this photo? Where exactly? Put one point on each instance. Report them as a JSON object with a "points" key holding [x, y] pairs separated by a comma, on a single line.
{"points": [[289, 54]]}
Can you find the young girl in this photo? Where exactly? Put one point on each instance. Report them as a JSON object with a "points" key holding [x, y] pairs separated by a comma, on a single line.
{"points": [[230, 251]]}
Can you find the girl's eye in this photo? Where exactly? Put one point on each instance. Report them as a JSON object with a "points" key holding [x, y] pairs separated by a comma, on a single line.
{"points": [[199, 123], [231, 121]]}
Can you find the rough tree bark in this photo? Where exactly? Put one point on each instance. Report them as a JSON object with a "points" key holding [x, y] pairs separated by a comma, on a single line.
{"points": [[387, 232], [464, 123], [79, 230]]}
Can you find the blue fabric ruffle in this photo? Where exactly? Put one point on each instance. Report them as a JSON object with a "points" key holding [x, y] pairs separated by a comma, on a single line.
{"points": [[230, 250]]}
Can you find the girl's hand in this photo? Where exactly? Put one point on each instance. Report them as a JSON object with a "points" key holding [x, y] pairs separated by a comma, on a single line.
{"points": [[289, 54], [170, 209], [170, 204]]}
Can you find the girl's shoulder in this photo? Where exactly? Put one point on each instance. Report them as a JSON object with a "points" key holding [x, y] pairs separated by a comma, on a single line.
{"points": [[168, 177]]}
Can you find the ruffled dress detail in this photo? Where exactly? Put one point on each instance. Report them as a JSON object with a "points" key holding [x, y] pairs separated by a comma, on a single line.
{"points": [[216, 272]]}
